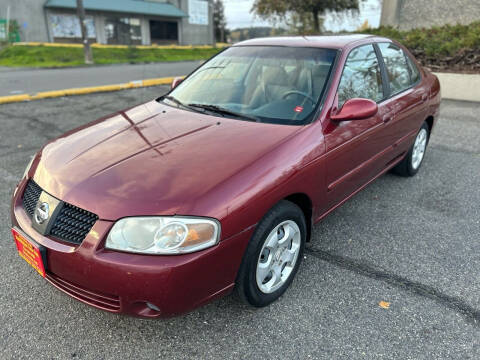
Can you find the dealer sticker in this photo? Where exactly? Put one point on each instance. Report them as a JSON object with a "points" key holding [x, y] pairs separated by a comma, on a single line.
{"points": [[29, 252]]}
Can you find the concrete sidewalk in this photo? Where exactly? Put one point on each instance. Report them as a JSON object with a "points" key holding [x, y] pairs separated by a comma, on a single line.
{"points": [[14, 81], [29, 81]]}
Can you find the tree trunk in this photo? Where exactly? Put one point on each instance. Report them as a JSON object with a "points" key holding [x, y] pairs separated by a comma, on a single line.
{"points": [[316, 22], [86, 46], [222, 34]]}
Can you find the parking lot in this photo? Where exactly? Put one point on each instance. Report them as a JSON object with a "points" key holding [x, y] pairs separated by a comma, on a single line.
{"points": [[413, 243]]}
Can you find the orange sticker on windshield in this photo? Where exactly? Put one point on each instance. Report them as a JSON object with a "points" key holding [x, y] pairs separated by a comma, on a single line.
{"points": [[298, 109]]}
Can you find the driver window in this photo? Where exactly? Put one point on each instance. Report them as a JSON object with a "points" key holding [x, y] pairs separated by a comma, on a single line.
{"points": [[361, 77]]}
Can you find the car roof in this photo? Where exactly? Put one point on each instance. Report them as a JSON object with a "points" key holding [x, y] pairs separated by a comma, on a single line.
{"points": [[327, 41]]}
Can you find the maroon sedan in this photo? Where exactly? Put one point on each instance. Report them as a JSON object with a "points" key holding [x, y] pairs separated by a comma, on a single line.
{"points": [[163, 207]]}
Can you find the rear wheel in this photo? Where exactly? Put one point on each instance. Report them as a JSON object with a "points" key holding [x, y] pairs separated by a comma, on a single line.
{"points": [[273, 255], [410, 165]]}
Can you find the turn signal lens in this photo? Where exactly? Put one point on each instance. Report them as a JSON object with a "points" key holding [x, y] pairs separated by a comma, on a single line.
{"points": [[27, 169], [197, 232]]}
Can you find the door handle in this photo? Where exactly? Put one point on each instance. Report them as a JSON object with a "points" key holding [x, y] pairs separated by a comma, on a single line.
{"points": [[387, 118], [424, 97]]}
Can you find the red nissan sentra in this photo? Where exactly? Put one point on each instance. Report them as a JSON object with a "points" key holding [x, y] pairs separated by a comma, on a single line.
{"points": [[163, 207]]}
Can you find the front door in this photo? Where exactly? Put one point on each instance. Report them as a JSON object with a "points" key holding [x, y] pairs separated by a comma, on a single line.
{"points": [[353, 146]]}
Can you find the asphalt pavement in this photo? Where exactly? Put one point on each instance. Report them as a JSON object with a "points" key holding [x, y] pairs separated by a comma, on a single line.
{"points": [[14, 81], [412, 243]]}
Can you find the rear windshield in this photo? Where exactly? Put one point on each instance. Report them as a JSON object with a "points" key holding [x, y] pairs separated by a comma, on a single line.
{"points": [[269, 83]]}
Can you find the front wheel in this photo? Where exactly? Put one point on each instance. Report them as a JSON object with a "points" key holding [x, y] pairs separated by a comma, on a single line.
{"points": [[410, 165], [273, 255]]}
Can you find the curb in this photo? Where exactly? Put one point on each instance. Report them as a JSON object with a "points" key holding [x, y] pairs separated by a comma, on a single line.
{"points": [[86, 90]]}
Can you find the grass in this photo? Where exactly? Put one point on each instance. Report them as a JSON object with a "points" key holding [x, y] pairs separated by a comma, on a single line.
{"points": [[46, 56]]}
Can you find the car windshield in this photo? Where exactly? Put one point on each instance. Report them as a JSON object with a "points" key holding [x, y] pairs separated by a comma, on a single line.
{"points": [[258, 83]]}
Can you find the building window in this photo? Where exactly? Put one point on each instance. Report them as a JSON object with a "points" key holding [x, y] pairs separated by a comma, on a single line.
{"points": [[124, 31], [163, 32], [198, 12], [66, 27]]}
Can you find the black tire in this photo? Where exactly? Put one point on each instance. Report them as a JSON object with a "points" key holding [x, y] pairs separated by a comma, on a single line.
{"points": [[246, 284], [405, 167]]}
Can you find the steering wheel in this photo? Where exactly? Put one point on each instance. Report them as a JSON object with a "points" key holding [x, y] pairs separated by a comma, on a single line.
{"points": [[305, 95]]}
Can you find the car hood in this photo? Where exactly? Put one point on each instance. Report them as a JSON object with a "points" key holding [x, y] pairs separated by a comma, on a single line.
{"points": [[152, 160]]}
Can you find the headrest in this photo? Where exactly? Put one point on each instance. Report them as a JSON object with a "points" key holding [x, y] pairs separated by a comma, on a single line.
{"points": [[275, 75], [320, 70]]}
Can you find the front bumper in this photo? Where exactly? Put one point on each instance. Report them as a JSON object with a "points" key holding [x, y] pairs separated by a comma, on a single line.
{"points": [[130, 283]]}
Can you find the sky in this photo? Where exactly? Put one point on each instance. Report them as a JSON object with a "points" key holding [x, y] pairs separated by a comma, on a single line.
{"points": [[238, 15]]}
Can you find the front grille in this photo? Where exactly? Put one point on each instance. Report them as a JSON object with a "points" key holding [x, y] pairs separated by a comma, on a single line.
{"points": [[30, 197], [71, 224]]}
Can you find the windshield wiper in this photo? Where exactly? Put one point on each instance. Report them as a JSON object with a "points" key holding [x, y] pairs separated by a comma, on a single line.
{"points": [[179, 103], [223, 111]]}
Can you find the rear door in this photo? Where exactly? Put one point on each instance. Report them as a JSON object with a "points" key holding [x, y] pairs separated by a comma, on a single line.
{"points": [[407, 96]]}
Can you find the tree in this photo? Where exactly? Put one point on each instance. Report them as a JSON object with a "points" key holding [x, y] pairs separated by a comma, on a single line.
{"points": [[365, 25], [86, 45], [301, 11], [219, 21]]}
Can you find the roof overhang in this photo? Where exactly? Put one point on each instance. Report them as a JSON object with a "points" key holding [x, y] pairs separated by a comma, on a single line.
{"points": [[139, 7]]}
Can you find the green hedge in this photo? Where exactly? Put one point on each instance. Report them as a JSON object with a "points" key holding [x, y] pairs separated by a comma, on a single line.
{"points": [[446, 47]]}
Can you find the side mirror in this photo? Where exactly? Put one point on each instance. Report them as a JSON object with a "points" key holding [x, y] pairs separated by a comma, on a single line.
{"points": [[356, 109], [175, 82]]}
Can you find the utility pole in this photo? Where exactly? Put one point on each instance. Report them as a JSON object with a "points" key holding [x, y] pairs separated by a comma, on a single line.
{"points": [[86, 46], [8, 24], [211, 6]]}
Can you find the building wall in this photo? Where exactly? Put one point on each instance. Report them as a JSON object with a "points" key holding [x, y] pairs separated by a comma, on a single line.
{"points": [[100, 21], [409, 14], [29, 15], [32, 18]]}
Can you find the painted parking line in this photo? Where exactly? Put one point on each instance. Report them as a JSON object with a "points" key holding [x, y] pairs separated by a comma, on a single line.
{"points": [[86, 90]]}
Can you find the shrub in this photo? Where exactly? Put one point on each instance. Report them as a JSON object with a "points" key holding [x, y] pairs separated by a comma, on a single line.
{"points": [[448, 47]]}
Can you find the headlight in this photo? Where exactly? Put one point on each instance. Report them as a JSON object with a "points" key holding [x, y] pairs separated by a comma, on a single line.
{"points": [[27, 169], [163, 235]]}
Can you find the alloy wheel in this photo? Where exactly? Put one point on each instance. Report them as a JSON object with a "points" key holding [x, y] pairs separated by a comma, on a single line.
{"points": [[419, 148], [278, 256]]}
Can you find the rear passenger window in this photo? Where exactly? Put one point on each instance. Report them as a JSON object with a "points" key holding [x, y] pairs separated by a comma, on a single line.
{"points": [[361, 77], [396, 65], [414, 73]]}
